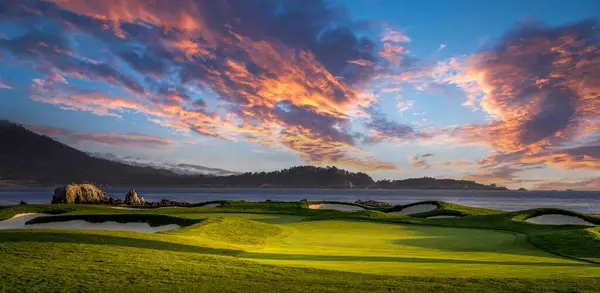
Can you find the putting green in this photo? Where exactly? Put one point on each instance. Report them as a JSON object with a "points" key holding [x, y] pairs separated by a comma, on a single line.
{"points": [[412, 250]]}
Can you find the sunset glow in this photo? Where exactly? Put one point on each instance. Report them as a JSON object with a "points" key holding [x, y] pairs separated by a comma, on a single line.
{"points": [[246, 87]]}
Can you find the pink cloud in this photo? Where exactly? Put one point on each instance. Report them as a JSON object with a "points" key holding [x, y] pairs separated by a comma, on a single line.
{"points": [[118, 139]]}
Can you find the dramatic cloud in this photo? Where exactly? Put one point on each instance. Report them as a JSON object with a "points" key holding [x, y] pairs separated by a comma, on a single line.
{"points": [[52, 51], [118, 139], [540, 87], [288, 79], [585, 156], [303, 76]]}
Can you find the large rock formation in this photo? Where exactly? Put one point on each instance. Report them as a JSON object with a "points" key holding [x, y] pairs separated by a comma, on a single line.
{"points": [[79, 193], [131, 198]]}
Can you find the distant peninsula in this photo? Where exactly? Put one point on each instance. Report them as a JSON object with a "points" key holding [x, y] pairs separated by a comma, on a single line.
{"points": [[30, 159]]}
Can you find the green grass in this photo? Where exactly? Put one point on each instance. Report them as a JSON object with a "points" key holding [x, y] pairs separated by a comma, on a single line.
{"points": [[580, 243], [230, 231], [410, 250], [122, 262], [286, 247], [9, 211]]}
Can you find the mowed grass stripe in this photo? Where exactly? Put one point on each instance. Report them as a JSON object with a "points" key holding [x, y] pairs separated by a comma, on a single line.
{"points": [[411, 250], [293, 249], [70, 264]]}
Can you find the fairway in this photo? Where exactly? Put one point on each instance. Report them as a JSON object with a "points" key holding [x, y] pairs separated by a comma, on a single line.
{"points": [[243, 246], [411, 250]]}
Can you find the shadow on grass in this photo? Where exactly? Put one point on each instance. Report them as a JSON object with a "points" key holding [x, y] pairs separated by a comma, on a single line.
{"points": [[98, 239], [581, 243], [303, 257], [469, 240]]}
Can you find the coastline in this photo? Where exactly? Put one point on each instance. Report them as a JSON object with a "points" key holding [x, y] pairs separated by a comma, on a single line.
{"points": [[21, 184]]}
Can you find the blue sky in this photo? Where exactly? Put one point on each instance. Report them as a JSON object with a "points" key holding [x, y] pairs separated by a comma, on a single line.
{"points": [[371, 85]]}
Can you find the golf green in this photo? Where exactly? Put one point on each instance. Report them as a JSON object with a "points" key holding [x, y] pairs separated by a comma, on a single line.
{"points": [[411, 250], [275, 247]]}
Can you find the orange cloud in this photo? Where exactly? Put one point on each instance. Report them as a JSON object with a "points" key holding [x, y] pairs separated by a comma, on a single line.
{"points": [[119, 139], [322, 151], [186, 15], [361, 62], [270, 92], [540, 87], [91, 101], [563, 160]]}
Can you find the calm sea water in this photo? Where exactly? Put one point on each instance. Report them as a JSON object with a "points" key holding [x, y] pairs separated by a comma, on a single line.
{"points": [[583, 201]]}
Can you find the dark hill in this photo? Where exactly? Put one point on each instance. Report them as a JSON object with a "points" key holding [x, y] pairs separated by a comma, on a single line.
{"points": [[433, 183], [299, 177], [28, 158]]}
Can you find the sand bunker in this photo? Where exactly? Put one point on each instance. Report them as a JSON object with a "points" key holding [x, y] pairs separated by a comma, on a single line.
{"points": [[416, 209], [335, 206], [443, 217], [210, 205], [558, 219], [18, 222]]}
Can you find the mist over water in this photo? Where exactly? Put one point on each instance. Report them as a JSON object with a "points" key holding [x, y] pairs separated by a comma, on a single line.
{"points": [[582, 201]]}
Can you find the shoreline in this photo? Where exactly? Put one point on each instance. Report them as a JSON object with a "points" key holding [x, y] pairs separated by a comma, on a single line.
{"points": [[293, 188]]}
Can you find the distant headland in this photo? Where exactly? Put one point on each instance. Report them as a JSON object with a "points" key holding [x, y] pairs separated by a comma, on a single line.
{"points": [[30, 159]]}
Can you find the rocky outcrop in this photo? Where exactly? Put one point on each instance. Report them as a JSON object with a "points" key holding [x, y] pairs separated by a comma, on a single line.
{"points": [[131, 198], [79, 194], [375, 203]]}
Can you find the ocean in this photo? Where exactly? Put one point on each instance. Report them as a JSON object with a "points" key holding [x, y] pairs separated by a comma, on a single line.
{"points": [[582, 201]]}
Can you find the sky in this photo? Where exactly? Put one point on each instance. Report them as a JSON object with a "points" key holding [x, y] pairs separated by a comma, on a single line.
{"points": [[504, 92]]}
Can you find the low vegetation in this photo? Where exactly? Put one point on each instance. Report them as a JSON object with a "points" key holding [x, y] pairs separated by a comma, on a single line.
{"points": [[10, 211], [285, 246]]}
